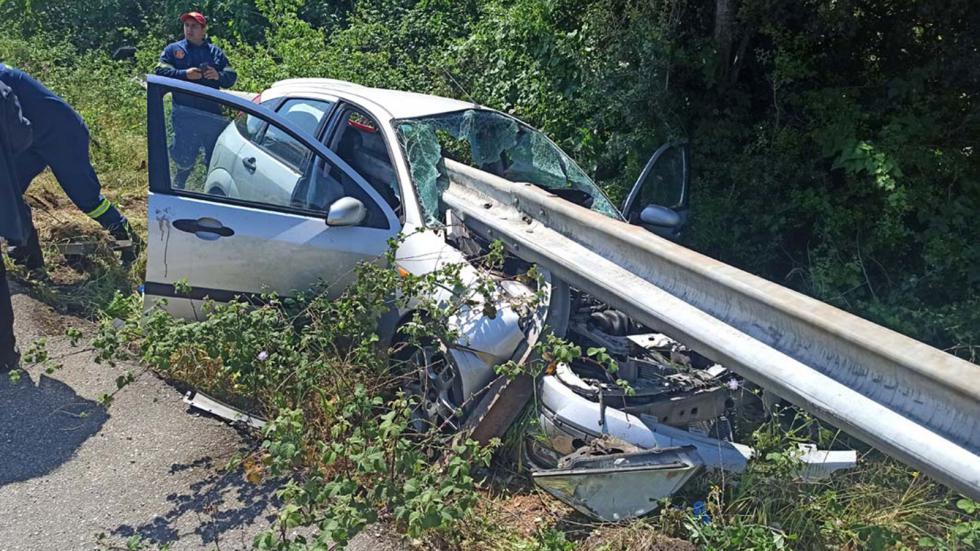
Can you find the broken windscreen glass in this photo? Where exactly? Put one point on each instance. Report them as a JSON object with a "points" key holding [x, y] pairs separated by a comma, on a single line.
{"points": [[424, 156], [497, 144]]}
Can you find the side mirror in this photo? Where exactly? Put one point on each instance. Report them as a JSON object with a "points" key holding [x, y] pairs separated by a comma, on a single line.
{"points": [[346, 211], [655, 215], [665, 222]]}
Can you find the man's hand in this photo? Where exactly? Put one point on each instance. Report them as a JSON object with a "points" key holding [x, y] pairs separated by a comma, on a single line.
{"points": [[194, 74], [211, 73]]}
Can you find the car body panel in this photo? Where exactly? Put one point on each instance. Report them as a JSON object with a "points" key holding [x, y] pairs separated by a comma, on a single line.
{"points": [[398, 104], [265, 179], [484, 341], [619, 483], [220, 180], [260, 248], [268, 252], [570, 420]]}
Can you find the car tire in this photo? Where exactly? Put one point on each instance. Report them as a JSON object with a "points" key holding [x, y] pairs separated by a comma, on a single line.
{"points": [[427, 376]]}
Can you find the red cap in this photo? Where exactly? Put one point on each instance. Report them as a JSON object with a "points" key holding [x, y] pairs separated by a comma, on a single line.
{"points": [[196, 16]]}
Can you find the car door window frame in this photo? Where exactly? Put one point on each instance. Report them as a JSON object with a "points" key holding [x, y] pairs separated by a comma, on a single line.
{"points": [[158, 160], [332, 134], [304, 164], [636, 192], [271, 104]]}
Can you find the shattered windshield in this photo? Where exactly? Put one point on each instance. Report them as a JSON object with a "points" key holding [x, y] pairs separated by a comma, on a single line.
{"points": [[497, 144]]}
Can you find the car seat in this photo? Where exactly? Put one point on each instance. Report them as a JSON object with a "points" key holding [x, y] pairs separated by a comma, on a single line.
{"points": [[366, 153]]}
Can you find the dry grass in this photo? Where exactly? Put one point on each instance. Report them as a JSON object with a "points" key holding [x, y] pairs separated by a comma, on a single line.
{"points": [[637, 536], [84, 284]]}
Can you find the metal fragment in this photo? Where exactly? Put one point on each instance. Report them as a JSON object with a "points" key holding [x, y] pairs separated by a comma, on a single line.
{"points": [[206, 403]]}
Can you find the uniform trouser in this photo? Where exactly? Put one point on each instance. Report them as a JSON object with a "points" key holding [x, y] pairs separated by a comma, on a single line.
{"points": [[194, 130], [7, 340], [67, 155]]}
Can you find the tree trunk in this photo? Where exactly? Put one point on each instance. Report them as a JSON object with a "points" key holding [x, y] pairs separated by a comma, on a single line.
{"points": [[724, 22]]}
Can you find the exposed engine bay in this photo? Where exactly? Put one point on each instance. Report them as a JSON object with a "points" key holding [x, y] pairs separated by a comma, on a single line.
{"points": [[659, 377], [620, 428]]}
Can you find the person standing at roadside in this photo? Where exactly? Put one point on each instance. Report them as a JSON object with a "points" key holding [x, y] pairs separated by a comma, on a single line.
{"points": [[16, 135], [197, 122]]}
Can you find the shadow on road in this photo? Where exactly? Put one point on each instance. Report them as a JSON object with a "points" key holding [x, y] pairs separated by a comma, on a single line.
{"points": [[220, 502], [41, 426]]}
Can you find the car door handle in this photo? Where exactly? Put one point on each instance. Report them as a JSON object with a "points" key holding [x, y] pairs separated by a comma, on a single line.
{"points": [[208, 229], [249, 163]]}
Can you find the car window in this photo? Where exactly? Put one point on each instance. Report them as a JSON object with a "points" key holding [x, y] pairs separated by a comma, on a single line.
{"points": [[359, 141], [208, 156], [664, 184], [494, 143], [304, 115], [250, 126], [325, 183]]}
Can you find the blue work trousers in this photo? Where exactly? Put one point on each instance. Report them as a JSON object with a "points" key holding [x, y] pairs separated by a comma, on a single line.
{"points": [[67, 155], [7, 341], [194, 130]]}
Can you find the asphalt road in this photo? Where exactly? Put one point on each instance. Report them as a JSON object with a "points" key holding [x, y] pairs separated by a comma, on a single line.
{"points": [[70, 470]]}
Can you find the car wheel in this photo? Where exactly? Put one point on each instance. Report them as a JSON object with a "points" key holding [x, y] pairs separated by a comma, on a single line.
{"points": [[217, 191], [433, 384]]}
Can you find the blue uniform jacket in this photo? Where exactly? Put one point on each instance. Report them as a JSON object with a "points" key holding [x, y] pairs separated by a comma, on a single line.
{"points": [[179, 56], [15, 136], [51, 118]]}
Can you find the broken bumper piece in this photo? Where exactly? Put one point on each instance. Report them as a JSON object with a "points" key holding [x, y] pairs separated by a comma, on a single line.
{"points": [[612, 465], [816, 465], [613, 480], [615, 466], [570, 421]]}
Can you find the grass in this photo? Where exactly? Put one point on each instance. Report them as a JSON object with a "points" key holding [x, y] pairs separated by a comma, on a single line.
{"points": [[79, 285]]}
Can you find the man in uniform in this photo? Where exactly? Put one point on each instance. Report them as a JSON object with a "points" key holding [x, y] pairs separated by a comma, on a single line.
{"points": [[197, 122], [61, 142], [16, 135]]}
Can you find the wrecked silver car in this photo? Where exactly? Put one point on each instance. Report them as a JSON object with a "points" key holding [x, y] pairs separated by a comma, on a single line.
{"points": [[314, 176]]}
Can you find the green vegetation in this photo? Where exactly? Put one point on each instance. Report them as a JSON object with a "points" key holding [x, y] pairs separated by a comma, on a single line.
{"points": [[833, 141], [343, 437], [834, 149]]}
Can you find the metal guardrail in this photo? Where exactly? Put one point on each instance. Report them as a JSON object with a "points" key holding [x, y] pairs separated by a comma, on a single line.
{"points": [[912, 401]]}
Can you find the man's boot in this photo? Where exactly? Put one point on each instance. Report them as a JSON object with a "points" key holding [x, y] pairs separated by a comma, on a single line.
{"points": [[127, 241], [28, 255], [109, 217]]}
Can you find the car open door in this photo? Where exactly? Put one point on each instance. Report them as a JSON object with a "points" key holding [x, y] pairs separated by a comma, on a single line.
{"points": [[659, 199], [221, 246]]}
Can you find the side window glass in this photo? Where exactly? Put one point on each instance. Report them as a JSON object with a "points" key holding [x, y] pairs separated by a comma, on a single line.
{"points": [[326, 184], [209, 155], [303, 115], [664, 185], [250, 126], [361, 144]]}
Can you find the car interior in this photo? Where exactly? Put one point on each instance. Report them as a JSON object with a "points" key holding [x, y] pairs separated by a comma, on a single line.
{"points": [[362, 146]]}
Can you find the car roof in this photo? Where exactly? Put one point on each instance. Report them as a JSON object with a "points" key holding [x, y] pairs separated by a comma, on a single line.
{"points": [[399, 104]]}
